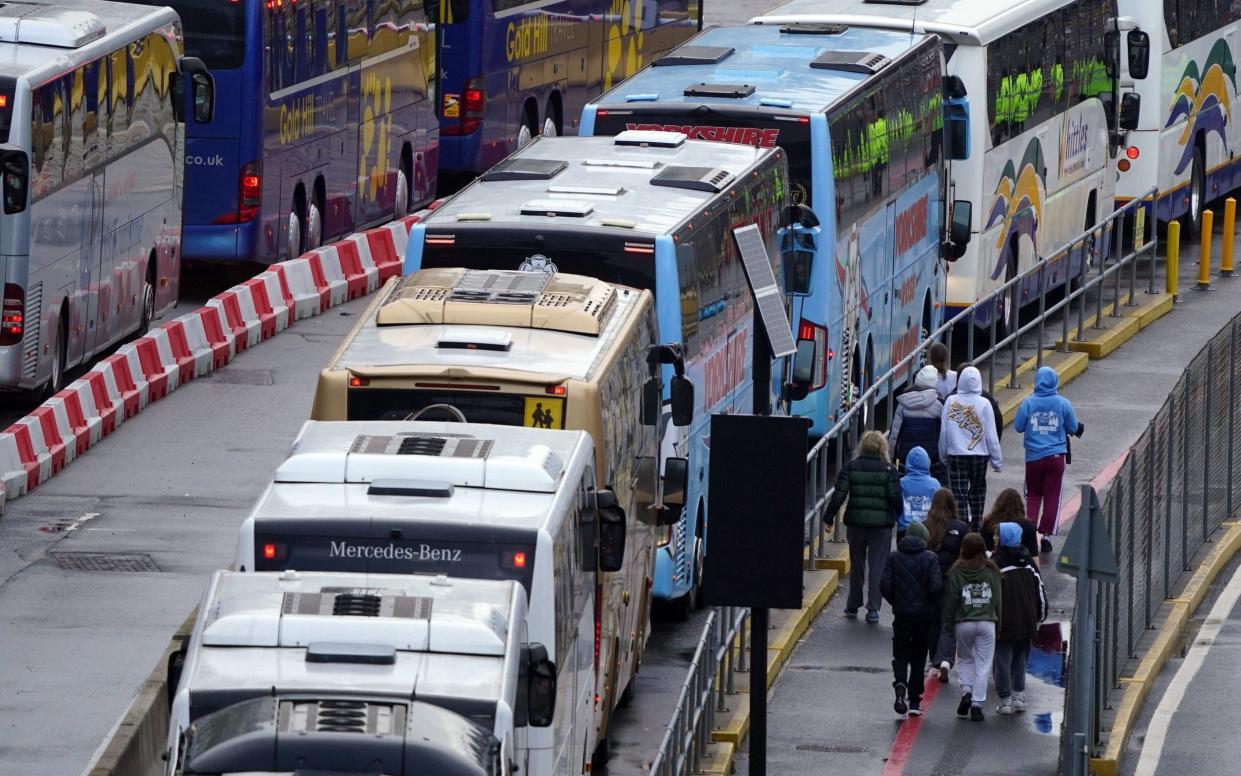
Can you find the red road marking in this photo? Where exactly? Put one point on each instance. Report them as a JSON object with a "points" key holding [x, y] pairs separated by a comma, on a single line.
{"points": [[903, 746]]}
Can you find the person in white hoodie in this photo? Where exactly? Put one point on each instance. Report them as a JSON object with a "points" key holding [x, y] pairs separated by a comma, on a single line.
{"points": [[968, 441]]}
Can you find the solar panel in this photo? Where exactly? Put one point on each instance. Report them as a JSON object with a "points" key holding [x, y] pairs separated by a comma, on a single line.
{"points": [[767, 294]]}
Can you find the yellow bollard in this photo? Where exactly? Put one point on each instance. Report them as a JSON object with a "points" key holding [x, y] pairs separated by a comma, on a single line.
{"points": [[1204, 256], [1172, 264], [1230, 220]]}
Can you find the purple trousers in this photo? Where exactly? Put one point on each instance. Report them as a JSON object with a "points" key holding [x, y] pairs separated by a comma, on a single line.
{"points": [[1044, 478]]}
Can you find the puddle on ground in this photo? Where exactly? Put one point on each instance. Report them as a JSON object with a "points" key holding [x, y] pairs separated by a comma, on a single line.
{"points": [[1047, 653]]}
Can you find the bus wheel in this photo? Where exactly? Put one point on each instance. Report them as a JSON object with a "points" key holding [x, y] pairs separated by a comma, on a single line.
{"points": [[1197, 191], [314, 226], [56, 380], [526, 132], [148, 296], [295, 233]]}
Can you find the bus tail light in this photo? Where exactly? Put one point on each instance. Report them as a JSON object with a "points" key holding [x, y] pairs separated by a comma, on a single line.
{"points": [[359, 382], [249, 192], [813, 331], [1133, 152], [556, 390], [273, 551], [13, 314], [472, 102], [598, 631]]}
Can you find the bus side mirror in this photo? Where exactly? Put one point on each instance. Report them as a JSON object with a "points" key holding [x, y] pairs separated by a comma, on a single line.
{"points": [[652, 402], [676, 482], [611, 531], [176, 664], [1130, 108], [1139, 54], [803, 369], [956, 129], [540, 689], [682, 401], [15, 168], [959, 230], [202, 88]]}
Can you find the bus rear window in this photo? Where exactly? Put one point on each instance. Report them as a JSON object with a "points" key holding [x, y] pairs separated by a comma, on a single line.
{"points": [[408, 554], [792, 133], [215, 30], [636, 269], [504, 409]]}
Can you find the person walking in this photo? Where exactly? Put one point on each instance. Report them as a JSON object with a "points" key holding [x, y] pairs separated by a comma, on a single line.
{"points": [[1023, 607], [872, 488], [911, 582], [917, 419], [917, 489], [1009, 507], [945, 532], [995, 405], [973, 607], [1045, 420], [946, 379], [967, 442]]}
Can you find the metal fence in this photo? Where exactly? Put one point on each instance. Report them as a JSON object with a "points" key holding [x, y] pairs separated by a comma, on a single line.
{"points": [[1105, 280], [1178, 483]]}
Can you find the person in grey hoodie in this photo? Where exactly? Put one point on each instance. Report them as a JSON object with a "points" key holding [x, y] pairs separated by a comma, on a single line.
{"points": [[968, 440], [917, 418]]}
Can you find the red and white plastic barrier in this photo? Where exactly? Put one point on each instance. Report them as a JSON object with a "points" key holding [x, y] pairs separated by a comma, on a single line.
{"points": [[39, 445]]}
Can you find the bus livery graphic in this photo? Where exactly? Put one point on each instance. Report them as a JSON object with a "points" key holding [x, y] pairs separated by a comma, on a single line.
{"points": [[1199, 96], [1018, 203]]}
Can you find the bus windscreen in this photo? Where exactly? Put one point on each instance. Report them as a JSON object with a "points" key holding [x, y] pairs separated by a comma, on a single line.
{"points": [[215, 31], [633, 266], [792, 133]]}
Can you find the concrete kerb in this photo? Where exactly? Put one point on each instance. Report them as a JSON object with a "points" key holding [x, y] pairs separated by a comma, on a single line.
{"points": [[35, 447], [1166, 640], [140, 735], [788, 626]]}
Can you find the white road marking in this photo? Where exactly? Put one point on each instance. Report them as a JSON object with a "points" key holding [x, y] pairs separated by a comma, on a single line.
{"points": [[86, 518], [1174, 696]]}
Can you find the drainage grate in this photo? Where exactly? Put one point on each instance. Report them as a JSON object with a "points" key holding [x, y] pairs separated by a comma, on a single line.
{"points": [[104, 561], [829, 749]]}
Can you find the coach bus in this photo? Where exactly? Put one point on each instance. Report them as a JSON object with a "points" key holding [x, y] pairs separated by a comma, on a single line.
{"points": [[648, 210], [473, 501], [524, 349], [516, 69], [1187, 137], [1043, 174], [859, 113], [92, 98], [324, 124]]}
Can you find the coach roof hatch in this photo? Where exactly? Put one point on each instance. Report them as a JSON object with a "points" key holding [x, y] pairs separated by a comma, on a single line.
{"points": [[43, 25]]}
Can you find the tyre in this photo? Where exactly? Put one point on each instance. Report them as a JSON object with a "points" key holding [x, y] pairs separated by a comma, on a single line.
{"points": [[314, 227], [56, 378], [148, 297], [294, 231], [401, 207], [1197, 191], [527, 131], [549, 127]]}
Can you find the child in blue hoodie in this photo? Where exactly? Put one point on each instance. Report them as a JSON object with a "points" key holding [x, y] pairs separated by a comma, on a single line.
{"points": [[1045, 420], [917, 489]]}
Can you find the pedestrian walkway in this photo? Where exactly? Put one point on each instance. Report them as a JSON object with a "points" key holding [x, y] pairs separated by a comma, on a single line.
{"points": [[835, 715]]}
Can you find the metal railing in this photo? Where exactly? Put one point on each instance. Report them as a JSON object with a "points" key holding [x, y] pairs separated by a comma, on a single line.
{"points": [[1105, 280], [1177, 484], [721, 650], [720, 654]]}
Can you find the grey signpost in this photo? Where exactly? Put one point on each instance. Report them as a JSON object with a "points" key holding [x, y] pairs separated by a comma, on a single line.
{"points": [[1087, 555]]}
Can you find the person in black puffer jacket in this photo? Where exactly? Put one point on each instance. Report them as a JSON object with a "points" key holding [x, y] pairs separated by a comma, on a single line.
{"points": [[946, 534], [872, 489], [1024, 606], [912, 583]]}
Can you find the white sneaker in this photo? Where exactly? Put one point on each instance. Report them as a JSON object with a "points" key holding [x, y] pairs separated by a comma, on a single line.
{"points": [[1019, 703], [1005, 707], [943, 672]]}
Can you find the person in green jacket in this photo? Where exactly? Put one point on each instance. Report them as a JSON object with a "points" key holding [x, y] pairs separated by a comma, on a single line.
{"points": [[869, 487], [972, 606]]}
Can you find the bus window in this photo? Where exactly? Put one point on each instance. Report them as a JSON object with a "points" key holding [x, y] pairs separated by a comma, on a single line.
{"points": [[505, 409], [214, 30], [95, 123], [47, 139]]}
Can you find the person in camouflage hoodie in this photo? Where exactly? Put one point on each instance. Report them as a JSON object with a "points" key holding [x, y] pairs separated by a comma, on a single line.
{"points": [[869, 488]]}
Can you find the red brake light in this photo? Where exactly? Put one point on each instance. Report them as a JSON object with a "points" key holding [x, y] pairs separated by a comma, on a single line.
{"points": [[4, 101], [806, 330], [556, 390], [269, 551], [519, 560], [13, 314], [358, 382], [473, 100], [639, 248], [1132, 152]]}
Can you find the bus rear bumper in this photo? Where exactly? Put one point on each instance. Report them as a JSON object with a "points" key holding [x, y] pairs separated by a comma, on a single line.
{"points": [[11, 368], [220, 243]]}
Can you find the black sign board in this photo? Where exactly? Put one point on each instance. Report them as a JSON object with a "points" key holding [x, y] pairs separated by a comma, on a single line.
{"points": [[755, 531]]}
